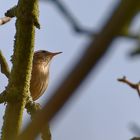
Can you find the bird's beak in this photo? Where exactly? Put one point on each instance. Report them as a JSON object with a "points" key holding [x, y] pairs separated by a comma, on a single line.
{"points": [[56, 53]]}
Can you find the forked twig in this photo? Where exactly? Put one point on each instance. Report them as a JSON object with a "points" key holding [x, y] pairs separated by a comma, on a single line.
{"points": [[135, 86]]}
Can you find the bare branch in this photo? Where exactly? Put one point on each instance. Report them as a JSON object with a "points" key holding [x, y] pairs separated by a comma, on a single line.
{"points": [[94, 52], [4, 66], [135, 86], [62, 7], [8, 15], [4, 20]]}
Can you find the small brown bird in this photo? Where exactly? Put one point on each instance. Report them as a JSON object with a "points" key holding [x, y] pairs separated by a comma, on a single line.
{"points": [[40, 72]]}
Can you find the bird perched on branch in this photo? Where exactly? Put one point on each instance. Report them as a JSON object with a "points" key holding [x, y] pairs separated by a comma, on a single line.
{"points": [[40, 72]]}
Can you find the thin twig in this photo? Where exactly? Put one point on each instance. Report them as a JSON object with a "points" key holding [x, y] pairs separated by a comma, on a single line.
{"points": [[4, 66], [69, 17], [4, 20], [77, 27], [135, 86]]}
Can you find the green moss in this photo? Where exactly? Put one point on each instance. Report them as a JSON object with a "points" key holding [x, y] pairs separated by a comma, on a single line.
{"points": [[19, 81]]}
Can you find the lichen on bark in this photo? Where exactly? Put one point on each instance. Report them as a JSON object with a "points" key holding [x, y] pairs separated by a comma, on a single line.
{"points": [[19, 80]]}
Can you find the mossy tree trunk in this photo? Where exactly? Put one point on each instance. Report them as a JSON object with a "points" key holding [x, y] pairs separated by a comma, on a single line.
{"points": [[19, 81]]}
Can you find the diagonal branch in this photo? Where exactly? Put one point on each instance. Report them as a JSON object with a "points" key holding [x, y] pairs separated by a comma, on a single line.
{"points": [[4, 20], [4, 66], [93, 54]]}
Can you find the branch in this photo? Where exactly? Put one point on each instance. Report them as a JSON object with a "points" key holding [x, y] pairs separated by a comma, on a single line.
{"points": [[4, 66], [94, 52], [3, 97], [130, 35], [135, 86], [11, 12], [134, 128], [136, 138], [69, 17], [8, 15], [19, 81], [46, 133], [32, 109], [77, 27], [4, 20]]}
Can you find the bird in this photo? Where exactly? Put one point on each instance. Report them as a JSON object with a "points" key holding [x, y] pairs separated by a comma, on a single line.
{"points": [[40, 72]]}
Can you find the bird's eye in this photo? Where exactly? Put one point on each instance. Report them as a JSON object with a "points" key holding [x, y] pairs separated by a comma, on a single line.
{"points": [[43, 51]]}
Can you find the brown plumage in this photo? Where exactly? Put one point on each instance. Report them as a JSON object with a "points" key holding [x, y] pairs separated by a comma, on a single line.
{"points": [[40, 72]]}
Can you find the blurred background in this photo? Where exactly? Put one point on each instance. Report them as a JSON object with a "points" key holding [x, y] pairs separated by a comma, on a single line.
{"points": [[103, 108]]}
